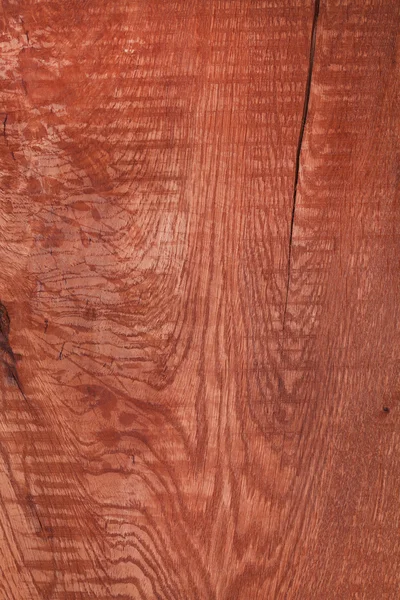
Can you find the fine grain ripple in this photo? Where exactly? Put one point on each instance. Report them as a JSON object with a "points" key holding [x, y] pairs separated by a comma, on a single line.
{"points": [[176, 442]]}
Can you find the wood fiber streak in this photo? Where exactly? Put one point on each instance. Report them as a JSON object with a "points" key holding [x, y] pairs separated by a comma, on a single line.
{"points": [[199, 315]]}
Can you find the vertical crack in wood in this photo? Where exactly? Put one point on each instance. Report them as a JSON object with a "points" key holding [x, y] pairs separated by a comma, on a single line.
{"points": [[5, 126], [7, 357], [299, 149]]}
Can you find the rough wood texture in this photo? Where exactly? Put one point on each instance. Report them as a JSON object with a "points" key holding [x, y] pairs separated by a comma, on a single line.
{"points": [[199, 284]]}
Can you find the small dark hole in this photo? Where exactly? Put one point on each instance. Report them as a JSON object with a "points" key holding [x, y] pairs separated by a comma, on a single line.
{"points": [[133, 459], [386, 409]]}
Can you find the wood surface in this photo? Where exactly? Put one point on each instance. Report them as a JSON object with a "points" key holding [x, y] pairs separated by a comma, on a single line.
{"points": [[199, 300]]}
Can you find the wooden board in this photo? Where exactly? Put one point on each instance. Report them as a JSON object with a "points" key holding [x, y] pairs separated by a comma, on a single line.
{"points": [[199, 284]]}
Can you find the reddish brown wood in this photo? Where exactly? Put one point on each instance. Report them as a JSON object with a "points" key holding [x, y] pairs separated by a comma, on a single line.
{"points": [[199, 283]]}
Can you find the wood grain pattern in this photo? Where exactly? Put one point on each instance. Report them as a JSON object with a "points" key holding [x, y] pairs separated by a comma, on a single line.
{"points": [[199, 283]]}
